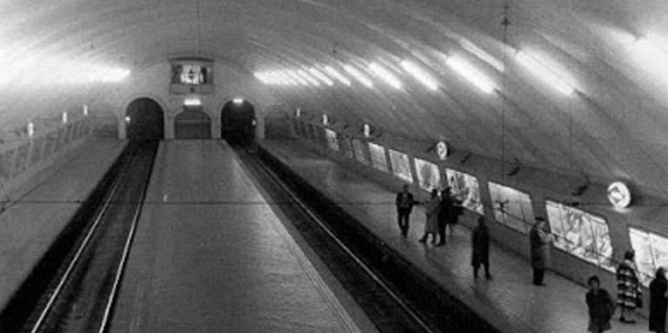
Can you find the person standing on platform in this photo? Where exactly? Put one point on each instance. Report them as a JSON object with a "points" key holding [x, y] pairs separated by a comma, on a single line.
{"points": [[432, 207], [404, 203], [540, 241], [629, 294], [601, 307], [444, 214], [658, 303], [456, 209], [480, 248]]}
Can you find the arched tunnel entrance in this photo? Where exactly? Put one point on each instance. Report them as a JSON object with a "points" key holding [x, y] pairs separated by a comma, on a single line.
{"points": [[192, 123], [145, 120], [237, 121]]}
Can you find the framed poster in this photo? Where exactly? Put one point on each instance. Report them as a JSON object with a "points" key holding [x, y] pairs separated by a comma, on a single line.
{"points": [[581, 234], [640, 242], [346, 146], [512, 207], [332, 141], [401, 165], [378, 157], [428, 175], [465, 187], [360, 153]]}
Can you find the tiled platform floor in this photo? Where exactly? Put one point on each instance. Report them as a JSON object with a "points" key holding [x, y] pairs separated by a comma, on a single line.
{"points": [[509, 301], [210, 255]]}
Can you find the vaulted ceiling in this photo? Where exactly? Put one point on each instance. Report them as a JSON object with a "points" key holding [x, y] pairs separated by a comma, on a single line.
{"points": [[612, 124]]}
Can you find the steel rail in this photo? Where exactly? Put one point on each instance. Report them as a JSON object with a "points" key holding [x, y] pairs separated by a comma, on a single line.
{"points": [[304, 207], [80, 251]]}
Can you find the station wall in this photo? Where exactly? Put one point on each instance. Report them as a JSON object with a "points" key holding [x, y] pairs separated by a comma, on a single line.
{"points": [[591, 235]]}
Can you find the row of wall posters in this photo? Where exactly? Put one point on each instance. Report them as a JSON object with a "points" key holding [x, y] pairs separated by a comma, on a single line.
{"points": [[581, 234], [512, 207], [378, 157], [401, 165], [651, 253], [427, 173], [465, 187], [359, 151], [332, 141]]}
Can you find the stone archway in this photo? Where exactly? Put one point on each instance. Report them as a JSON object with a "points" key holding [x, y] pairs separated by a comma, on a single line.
{"points": [[238, 121], [192, 123], [145, 120]]}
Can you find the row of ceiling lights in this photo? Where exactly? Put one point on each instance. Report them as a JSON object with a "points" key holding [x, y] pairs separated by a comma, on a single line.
{"points": [[541, 66]]}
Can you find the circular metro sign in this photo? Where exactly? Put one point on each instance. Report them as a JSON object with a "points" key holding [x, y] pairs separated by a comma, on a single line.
{"points": [[442, 150], [619, 195]]}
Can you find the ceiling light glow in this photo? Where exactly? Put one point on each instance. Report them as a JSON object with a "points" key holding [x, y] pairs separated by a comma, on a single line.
{"points": [[308, 78], [192, 101], [333, 72], [358, 76], [548, 75], [320, 76], [386, 75], [296, 77], [470, 73], [482, 54], [419, 74], [238, 100]]}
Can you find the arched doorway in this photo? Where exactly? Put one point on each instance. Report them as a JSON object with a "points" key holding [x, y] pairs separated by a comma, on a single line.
{"points": [[192, 123], [145, 120], [237, 121]]}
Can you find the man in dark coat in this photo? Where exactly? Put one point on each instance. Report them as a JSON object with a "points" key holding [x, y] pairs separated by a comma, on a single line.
{"points": [[540, 250], [404, 203], [444, 214], [658, 303], [480, 247]]}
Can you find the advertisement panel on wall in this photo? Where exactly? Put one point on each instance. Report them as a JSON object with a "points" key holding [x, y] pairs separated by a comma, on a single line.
{"points": [[401, 165], [651, 252], [332, 141], [378, 157], [512, 207], [346, 146], [427, 174], [360, 153], [581, 234], [465, 187]]}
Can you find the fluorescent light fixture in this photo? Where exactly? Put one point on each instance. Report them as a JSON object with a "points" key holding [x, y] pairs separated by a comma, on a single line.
{"points": [[308, 78], [470, 73], [651, 54], [238, 100], [386, 75], [85, 110], [546, 74], [358, 75], [31, 128], [127, 119], [263, 77], [320, 76], [333, 72], [482, 54], [419, 74], [64, 117], [192, 101], [296, 77]]}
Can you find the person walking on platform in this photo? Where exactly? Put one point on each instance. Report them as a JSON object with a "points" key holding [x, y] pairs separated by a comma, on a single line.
{"points": [[444, 214], [431, 210], [658, 303], [629, 294], [540, 241], [456, 209], [404, 203], [480, 248], [601, 307]]}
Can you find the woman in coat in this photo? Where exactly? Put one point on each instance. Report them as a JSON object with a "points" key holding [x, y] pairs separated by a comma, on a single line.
{"points": [[628, 287], [601, 307], [658, 302], [480, 247], [540, 241], [432, 207]]}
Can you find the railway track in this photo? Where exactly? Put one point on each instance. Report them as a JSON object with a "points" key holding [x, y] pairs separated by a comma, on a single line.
{"points": [[395, 295], [78, 293]]}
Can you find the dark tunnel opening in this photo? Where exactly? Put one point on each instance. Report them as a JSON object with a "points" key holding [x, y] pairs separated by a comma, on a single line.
{"points": [[145, 120], [192, 123], [237, 121]]}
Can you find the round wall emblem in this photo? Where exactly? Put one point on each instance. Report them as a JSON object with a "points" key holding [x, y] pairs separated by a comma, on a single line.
{"points": [[619, 195], [442, 150]]}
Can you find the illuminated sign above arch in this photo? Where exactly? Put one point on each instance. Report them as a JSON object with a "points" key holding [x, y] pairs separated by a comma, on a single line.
{"points": [[619, 195]]}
